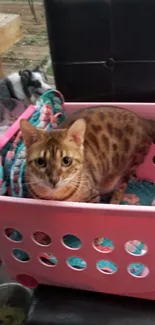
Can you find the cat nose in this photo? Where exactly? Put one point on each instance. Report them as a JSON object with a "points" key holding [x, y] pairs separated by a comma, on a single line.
{"points": [[55, 180], [54, 177]]}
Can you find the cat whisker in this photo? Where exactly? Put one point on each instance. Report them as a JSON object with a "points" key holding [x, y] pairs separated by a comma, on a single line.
{"points": [[78, 179], [75, 184], [31, 183]]}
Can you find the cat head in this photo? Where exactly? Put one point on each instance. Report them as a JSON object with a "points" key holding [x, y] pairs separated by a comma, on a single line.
{"points": [[54, 158]]}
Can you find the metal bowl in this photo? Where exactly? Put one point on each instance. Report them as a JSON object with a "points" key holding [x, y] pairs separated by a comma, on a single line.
{"points": [[15, 295]]}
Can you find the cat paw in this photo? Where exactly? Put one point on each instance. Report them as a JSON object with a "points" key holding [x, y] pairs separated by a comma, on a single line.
{"points": [[95, 199], [118, 194]]}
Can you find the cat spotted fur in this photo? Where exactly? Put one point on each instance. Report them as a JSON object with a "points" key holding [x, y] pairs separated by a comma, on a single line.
{"points": [[103, 146]]}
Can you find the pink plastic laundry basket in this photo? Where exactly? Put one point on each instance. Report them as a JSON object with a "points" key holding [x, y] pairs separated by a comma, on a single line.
{"points": [[120, 224]]}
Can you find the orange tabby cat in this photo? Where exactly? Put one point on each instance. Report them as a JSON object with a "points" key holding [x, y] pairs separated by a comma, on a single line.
{"points": [[92, 152]]}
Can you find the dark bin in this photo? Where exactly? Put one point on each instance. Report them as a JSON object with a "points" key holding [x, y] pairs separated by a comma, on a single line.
{"points": [[61, 306], [103, 50]]}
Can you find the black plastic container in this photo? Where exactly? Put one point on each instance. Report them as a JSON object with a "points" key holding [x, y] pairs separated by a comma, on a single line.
{"points": [[60, 306], [103, 50]]}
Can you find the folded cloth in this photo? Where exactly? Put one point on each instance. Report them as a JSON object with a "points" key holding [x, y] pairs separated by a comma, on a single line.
{"points": [[139, 192]]}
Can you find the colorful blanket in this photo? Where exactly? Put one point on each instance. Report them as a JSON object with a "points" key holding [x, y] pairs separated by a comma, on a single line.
{"points": [[139, 192]]}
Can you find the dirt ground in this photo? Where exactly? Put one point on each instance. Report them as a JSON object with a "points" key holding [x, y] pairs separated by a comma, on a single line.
{"points": [[33, 49]]}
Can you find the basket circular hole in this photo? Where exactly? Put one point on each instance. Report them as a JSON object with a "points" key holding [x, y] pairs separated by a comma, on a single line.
{"points": [[136, 248], [76, 263], [20, 255], [41, 238], [138, 270], [72, 241], [106, 267], [48, 259], [153, 159], [13, 234], [27, 281], [103, 245]]}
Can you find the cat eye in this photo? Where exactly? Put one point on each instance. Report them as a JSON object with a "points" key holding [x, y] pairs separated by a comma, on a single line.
{"points": [[66, 161], [40, 162]]}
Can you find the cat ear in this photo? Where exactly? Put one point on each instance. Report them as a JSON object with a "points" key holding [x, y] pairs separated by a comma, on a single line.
{"points": [[77, 131], [29, 132]]}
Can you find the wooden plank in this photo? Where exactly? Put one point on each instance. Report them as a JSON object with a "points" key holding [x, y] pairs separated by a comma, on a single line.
{"points": [[10, 31], [32, 53]]}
